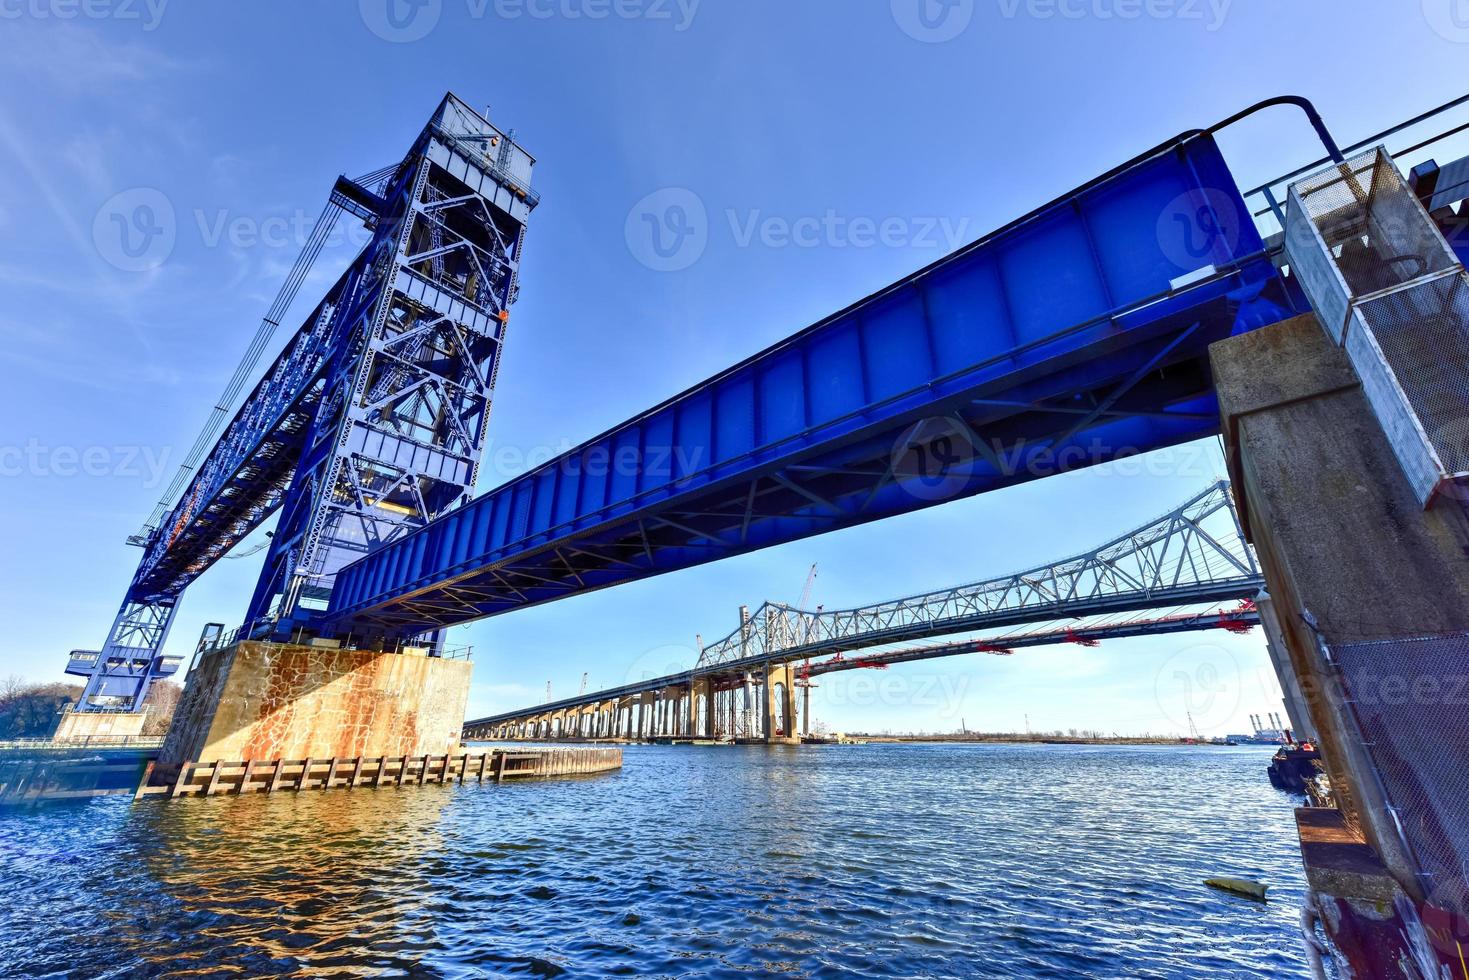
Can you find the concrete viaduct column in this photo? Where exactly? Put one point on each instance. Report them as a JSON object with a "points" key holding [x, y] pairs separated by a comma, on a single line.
{"points": [[780, 704], [1348, 552], [701, 697]]}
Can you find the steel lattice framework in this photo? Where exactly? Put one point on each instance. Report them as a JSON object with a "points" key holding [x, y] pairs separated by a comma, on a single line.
{"points": [[399, 439], [1193, 556], [371, 420], [1194, 553]]}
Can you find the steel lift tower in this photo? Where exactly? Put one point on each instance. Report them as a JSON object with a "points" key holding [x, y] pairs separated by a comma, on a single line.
{"points": [[371, 420]]}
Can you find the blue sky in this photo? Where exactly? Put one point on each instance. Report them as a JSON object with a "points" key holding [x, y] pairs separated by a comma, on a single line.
{"points": [[772, 114]]}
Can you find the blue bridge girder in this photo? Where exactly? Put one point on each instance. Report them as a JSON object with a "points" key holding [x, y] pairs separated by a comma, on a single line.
{"points": [[1194, 556], [1072, 336]]}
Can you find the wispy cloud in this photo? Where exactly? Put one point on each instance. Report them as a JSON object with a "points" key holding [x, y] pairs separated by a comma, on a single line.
{"points": [[75, 60]]}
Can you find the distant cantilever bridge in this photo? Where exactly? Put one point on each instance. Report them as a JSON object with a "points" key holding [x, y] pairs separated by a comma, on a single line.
{"points": [[1190, 569]]}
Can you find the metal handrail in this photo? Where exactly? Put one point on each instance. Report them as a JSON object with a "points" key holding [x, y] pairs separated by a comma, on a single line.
{"points": [[463, 145], [86, 741], [1266, 190], [247, 631]]}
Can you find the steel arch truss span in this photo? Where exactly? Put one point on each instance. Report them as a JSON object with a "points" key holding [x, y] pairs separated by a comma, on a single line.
{"points": [[1192, 562], [371, 420], [1075, 335], [1194, 554]]}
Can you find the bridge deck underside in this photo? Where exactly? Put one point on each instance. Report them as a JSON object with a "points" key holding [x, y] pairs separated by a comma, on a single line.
{"points": [[1065, 340]]}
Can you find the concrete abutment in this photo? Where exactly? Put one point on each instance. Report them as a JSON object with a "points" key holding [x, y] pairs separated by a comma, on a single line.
{"points": [[264, 701], [1349, 555]]}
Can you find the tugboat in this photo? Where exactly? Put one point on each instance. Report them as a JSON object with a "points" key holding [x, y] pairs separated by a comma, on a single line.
{"points": [[1294, 767]]}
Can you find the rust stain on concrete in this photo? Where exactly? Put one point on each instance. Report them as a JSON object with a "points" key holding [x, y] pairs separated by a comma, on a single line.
{"points": [[277, 701]]}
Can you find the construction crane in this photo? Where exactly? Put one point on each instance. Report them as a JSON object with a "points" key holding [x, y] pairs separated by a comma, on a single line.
{"points": [[803, 681], [806, 592]]}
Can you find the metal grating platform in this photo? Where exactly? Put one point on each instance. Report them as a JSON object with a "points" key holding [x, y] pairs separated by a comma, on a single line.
{"points": [[1387, 287]]}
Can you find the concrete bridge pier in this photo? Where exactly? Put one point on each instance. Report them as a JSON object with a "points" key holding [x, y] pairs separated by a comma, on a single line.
{"points": [[701, 698], [1367, 617], [269, 701], [779, 706]]}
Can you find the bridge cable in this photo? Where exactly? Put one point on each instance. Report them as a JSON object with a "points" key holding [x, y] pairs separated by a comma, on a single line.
{"points": [[220, 414]]}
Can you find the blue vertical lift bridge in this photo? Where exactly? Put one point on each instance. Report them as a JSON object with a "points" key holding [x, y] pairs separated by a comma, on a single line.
{"points": [[1074, 335], [371, 420]]}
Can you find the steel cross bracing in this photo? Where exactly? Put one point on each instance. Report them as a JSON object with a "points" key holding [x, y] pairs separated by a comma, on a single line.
{"points": [[371, 419], [1075, 335], [1194, 556], [1195, 553], [401, 438]]}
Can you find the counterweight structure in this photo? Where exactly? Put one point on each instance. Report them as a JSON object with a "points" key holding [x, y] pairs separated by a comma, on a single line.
{"points": [[370, 422]]}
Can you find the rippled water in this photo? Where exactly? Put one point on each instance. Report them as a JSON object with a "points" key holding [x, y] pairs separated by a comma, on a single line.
{"points": [[884, 860]]}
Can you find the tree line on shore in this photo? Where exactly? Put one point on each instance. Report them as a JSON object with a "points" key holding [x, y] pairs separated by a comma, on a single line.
{"points": [[30, 710]]}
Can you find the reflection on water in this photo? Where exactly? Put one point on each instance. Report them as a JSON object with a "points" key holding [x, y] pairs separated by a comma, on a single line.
{"points": [[874, 860]]}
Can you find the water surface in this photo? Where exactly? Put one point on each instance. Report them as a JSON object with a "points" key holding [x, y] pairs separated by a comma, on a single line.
{"points": [[879, 861]]}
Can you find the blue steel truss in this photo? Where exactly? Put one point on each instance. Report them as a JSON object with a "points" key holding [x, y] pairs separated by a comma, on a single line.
{"points": [[371, 420], [1075, 335], [422, 319]]}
